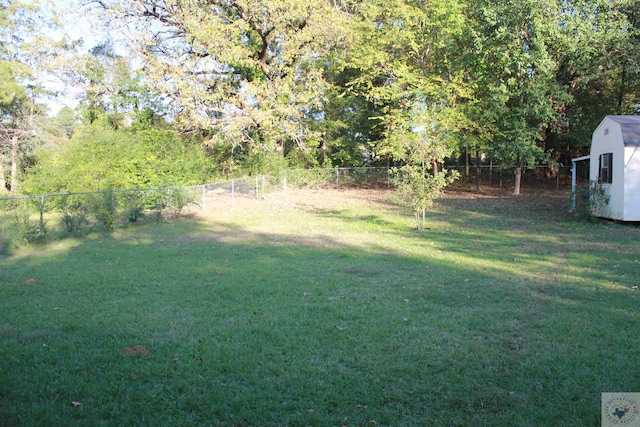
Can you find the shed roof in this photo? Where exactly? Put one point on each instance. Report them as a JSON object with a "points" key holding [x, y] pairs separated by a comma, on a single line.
{"points": [[630, 127]]}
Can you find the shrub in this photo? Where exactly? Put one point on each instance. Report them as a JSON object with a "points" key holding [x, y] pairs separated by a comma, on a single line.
{"points": [[131, 204], [103, 209], [134, 213], [179, 198], [591, 201], [27, 230], [74, 217]]}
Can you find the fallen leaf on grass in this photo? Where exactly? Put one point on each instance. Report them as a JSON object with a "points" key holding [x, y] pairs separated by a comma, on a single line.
{"points": [[135, 350], [75, 403], [340, 329], [32, 281], [306, 294]]}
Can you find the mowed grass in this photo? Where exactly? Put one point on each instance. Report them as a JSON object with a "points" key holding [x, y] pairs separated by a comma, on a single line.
{"points": [[326, 308]]}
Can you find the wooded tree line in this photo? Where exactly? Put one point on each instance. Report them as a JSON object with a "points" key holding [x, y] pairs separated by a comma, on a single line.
{"points": [[212, 88]]}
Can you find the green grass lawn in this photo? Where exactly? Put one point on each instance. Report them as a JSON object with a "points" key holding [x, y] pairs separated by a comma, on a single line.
{"points": [[326, 308]]}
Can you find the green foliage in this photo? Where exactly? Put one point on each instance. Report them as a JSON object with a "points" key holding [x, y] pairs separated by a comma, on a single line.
{"points": [[180, 198], [102, 206], [255, 86], [259, 73], [74, 217], [27, 228], [102, 158], [595, 198], [417, 188], [132, 205]]}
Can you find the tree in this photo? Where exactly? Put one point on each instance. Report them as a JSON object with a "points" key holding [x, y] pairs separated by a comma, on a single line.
{"points": [[64, 124], [347, 123], [421, 143], [597, 64], [14, 119], [519, 92], [21, 52], [99, 157], [247, 71], [108, 84], [404, 64]]}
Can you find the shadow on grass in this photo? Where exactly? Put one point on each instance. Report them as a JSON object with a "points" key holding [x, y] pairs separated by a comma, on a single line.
{"points": [[481, 321]]}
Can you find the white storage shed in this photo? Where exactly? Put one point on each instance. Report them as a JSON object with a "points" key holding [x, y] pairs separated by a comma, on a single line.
{"points": [[615, 166]]}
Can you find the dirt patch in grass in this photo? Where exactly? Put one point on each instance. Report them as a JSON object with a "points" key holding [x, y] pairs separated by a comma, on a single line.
{"points": [[548, 203], [136, 350]]}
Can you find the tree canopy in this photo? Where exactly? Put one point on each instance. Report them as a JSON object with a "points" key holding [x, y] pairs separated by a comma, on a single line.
{"points": [[260, 85]]}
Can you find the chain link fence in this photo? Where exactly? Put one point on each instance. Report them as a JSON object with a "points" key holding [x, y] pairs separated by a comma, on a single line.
{"points": [[365, 177], [29, 218], [501, 177]]}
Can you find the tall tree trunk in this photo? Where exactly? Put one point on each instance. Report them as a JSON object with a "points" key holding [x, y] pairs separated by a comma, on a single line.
{"points": [[466, 162], [516, 186], [3, 183], [478, 172], [15, 146], [621, 90]]}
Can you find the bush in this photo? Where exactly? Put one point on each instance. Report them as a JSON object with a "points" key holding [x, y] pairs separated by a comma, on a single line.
{"points": [[74, 217], [27, 230], [134, 213], [591, 201], [103, 209], [179, 198]]}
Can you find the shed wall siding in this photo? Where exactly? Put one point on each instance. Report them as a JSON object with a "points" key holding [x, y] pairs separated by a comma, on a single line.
{"points": [[632, 184], [607, 138]]}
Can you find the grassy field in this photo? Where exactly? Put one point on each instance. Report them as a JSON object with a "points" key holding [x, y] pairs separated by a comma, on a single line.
{"points": [[326, 308]]}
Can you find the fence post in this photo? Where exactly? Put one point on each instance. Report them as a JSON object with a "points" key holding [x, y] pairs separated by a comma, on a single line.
{"points": [[42, 214], [166, 208], [338, 177], [203, 199], [257, 189], [233, 192], [573, 186]]}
